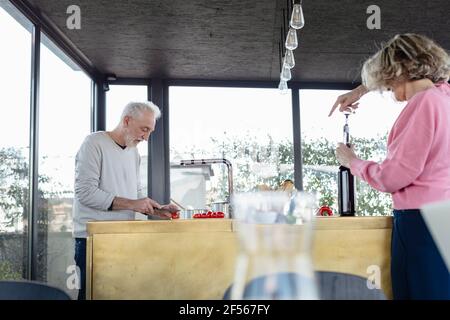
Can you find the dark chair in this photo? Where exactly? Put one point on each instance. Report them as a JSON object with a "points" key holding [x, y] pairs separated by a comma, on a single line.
{"points": [[29, 290], [331, 286]]}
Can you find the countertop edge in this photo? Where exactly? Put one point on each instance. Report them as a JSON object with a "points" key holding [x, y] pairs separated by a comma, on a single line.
{"points": [[226, 225]]}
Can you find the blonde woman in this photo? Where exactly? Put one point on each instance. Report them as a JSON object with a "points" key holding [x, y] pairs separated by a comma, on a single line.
{"points": [[416, 170]]}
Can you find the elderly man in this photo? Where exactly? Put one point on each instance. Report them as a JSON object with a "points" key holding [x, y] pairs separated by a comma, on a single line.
{"points": [[107, 177]]}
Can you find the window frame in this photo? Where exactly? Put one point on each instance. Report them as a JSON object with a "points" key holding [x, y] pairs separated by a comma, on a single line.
{"points": [[41, 26]]}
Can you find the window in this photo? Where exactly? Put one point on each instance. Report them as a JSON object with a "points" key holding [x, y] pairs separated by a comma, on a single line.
{"points": [[15, 64], [117, 98], [252, 128], [64, 122], [320, 134]]}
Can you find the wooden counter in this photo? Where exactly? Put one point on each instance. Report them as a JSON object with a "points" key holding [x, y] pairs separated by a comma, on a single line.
{"points": [[195, 259]]}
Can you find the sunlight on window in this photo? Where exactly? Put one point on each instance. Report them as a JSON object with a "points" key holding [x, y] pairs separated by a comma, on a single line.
{"points": [[15, 64], [252, 128], [64, 122]]}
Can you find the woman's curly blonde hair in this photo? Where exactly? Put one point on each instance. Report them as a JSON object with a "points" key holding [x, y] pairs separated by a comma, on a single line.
{"points": [[406, 57]]}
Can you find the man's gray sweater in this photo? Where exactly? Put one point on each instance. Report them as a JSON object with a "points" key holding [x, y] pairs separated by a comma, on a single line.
{"points": [[103, 170]]}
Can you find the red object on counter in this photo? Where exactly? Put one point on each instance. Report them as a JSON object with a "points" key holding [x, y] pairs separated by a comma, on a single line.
{"points": [[209, 215], [324, 211], [175, 215]]}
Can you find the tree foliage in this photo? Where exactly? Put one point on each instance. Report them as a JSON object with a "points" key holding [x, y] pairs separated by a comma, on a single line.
{"points": [[14, 186], [263, 162]]}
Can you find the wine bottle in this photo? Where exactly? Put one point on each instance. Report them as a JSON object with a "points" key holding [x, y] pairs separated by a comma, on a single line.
{"points": [[346, 182]]}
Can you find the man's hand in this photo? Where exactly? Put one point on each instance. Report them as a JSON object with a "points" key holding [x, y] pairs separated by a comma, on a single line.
{"points": [[145, 205], [165, 211], [170, 207], [345, 155]]}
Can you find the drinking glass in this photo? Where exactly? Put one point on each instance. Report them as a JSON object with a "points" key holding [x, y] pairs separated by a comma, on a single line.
{"points": [[275, 232]]}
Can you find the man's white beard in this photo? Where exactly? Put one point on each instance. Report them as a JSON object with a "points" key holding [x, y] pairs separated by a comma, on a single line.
{"points": [[130, 142]]}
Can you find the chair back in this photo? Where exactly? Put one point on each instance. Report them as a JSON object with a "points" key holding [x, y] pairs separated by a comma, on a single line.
{"points": [[30, 290], [331, 286]]}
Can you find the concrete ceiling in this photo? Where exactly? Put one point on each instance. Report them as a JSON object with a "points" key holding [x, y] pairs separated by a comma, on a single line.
{"points": [[238, 39]]}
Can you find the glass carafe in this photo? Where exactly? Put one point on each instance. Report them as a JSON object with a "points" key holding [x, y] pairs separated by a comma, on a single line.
{"points": [[275, 246]]}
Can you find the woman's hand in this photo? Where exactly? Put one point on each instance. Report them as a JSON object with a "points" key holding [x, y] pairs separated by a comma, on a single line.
{"points": [[346, 102], [345, 155]]}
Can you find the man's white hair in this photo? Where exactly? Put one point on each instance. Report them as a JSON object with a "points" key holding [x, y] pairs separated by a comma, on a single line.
{"points": [[135, 109]]}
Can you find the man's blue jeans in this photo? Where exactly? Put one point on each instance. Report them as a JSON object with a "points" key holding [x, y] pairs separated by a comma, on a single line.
{"points": [[80, 260]]}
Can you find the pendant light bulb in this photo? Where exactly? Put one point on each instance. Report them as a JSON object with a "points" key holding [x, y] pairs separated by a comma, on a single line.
{"points": [[285, 73], [291, 39], [297, 19], [289, 60], [283, 87]]}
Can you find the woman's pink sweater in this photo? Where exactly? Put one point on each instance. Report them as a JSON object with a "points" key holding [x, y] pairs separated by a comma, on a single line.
{"points": [[417, 167]]}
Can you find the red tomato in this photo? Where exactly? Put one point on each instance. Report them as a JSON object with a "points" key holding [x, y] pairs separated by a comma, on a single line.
{"points": [[175, 215], [325, 211], [196, 215], [220, 215], [214, 215]]}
